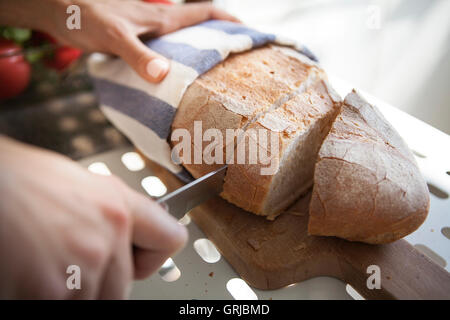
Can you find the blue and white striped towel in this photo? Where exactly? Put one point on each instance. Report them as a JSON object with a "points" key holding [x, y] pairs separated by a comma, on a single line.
{"points": [[144, 111]]}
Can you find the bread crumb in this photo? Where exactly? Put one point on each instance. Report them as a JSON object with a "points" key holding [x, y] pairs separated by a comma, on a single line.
{"points": [[211, 274], [295, 213], [255, 244], [279, 228], [301, 246]]}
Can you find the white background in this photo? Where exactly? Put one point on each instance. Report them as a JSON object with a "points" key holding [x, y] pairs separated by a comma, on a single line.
{"points": [[397, 50]]}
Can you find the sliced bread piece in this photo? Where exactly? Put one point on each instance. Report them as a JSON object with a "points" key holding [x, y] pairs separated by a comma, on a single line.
{"points": [[367, 185], [299, 126], [237, 91]]}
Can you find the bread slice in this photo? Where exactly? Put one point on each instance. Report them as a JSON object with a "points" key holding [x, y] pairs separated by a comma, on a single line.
{"points": [[271, 88], [238, 90], [367, 186], [300, 125]]}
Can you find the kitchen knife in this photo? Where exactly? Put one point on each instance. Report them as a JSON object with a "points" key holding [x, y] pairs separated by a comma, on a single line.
{"points": [[180, 201]]}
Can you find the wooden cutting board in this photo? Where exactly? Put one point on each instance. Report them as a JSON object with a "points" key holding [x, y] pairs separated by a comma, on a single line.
{"points": [[274, 254]]}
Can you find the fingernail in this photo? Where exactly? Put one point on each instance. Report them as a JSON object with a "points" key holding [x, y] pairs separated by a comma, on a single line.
{"points": [[157, 67]]}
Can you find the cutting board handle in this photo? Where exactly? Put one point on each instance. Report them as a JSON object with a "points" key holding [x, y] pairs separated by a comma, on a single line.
{"points": [[405, 273]]}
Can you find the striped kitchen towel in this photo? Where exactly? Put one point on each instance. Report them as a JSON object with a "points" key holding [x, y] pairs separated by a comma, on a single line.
{"points": [[144, 111]]}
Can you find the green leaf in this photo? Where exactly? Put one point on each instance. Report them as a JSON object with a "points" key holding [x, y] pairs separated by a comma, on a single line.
{"points": [[17, 35], [34, 55]]}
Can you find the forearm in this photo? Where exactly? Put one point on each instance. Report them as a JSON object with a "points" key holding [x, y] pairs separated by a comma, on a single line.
{"points": [[34, 14]]}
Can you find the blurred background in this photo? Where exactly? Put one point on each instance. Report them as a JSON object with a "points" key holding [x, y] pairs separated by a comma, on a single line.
{"points": [[396, 50]]}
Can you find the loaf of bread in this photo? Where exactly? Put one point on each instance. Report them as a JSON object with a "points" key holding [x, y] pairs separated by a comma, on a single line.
{"points": [[272, 88], [367, 186]]}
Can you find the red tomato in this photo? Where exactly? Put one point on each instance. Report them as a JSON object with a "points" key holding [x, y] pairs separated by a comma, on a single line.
{"points": [[14, 70], [62, 57]]}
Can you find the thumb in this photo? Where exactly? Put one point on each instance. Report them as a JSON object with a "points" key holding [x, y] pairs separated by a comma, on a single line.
{"points": [[147, 63], [156, 235]]}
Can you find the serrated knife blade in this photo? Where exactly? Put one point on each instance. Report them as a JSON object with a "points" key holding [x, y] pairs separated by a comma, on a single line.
{"points": [[180, 201]]}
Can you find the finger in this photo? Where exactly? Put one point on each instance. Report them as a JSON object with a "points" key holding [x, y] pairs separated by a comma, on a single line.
{"points": [[223, 15], [147, 262], [148, 64], [156, 233], [190, 14], [155, 229], [119, 274]]}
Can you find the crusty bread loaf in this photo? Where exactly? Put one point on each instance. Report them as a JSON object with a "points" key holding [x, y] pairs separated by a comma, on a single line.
{"points": [[367, 186], [273, 88]]}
